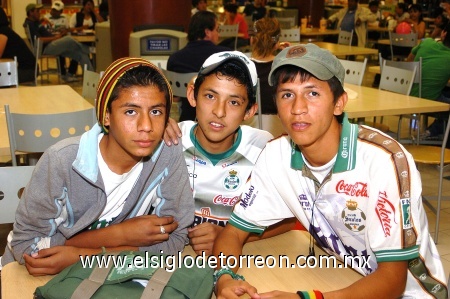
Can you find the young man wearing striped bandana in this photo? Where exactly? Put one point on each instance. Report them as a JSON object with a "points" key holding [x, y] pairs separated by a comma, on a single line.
{"points": [[116, 186]]}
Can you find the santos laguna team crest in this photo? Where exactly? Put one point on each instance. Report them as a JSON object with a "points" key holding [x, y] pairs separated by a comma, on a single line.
{"points": [[353, 218], [232, 181]]}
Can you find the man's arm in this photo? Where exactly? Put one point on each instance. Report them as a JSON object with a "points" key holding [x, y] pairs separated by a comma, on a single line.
{"points": [[229, 243], [274, 230]]}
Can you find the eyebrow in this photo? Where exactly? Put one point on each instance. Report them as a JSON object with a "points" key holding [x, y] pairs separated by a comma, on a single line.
{"points": [[230, 96], [133, 105]]}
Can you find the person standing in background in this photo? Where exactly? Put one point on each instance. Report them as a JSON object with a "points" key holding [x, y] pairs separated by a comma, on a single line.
{"points": [[256, 9]]}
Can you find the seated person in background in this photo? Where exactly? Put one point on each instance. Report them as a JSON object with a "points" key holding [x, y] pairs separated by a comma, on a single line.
{"points": [[60, 23], [232, 17], [354, 18], [56, 44], [203, 36], [440, 21], [265, 43], [199, 5], [103, 10], [374, 7], [57, 19], [337, 178], [435, 75], [86, 18], [416, 20], [12, 45], [256, 9], [219, 151], [117, 186], [401, 12]]}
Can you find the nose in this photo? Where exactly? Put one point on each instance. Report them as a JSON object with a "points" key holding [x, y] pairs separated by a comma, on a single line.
{"points": [[219, 109], [145, 123], [299, 106]]}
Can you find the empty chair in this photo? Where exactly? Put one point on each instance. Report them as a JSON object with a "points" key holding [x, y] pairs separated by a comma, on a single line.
{"points": [[90, 83], [354, 71], [345, 37], [229, 31], [178, 81], [8, 73], [34, 133], [396, 79], [290, 35], [12, 183], [42, 60], [401, 40], [428, 154]]}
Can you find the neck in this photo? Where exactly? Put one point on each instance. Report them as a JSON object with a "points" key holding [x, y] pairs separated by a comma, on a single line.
{"points": [[116, 161]]}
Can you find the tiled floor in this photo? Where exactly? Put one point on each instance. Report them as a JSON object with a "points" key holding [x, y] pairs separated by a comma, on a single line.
{"points": [[429, 181]]}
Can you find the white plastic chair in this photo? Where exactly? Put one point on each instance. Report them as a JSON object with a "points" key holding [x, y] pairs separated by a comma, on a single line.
{"points": [[8, 73], [40, 58], [229, 31], [290, 35], [34, 133], [90, 83], [354, 71], [12, 183], [178, 81], [396, 79], [401, 40], [345, 37]]}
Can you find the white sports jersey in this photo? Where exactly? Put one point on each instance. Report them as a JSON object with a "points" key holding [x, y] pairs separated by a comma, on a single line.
{"points": [[369, 205], [217, 180]]}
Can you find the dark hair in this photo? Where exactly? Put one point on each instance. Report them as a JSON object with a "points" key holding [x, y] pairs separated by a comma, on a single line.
{"points": [[141, 76], [231, 8], [416, 7], [288, 73], [201, 21], [402, 6], [3, 18], [196, 2], [446, 40], [231, 70], [86, 2], [374, 3]]}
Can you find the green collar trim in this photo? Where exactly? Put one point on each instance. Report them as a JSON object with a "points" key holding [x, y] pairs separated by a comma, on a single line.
{"points": [[215, 158], [346, 158]]}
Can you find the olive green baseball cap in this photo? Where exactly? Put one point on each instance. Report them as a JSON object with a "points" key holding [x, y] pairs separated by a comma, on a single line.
{"points": [[319, 62], [33, 6]]}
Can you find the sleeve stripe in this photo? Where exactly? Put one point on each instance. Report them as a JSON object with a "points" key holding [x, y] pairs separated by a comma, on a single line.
{"points": [[244, 225], [397, 255]]}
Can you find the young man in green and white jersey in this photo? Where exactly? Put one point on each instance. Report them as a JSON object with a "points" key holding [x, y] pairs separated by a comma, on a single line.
{"points": [[219, 151]]}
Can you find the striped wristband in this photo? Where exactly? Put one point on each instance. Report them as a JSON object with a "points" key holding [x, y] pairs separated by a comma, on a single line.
{"points": [[314, 294]]}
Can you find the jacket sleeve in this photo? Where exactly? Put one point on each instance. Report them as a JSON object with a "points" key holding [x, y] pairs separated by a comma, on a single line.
{"points": [[176, 193], [40, 208], [367, 16]]}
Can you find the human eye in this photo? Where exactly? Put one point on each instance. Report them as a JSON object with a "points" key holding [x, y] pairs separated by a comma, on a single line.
{"points": [[130, 112], [286, 95], [235, 103], [156, 112]]}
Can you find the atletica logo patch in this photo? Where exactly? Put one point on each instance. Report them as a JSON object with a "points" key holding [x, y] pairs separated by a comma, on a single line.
{"points": [[232, 181], [353, 218]]}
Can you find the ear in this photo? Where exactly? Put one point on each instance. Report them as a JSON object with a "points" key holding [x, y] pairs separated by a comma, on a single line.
{"points": [[106, 121], [251, 111], [190, 95], [340, 104], [208, 34]]}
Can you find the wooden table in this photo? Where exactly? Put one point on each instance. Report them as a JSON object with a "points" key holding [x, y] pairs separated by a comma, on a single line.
{"points": [[344, 50], [37, 100], [371, 102], [309, 32], [17, 283]]}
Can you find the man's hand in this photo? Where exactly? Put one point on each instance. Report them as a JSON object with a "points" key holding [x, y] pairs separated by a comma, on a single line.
{"points": [[202, 237], [279, 295], [146, 230], [51, 260], [172, 132], [228, 288]]}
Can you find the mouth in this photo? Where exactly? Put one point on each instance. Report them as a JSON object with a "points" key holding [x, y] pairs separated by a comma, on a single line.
{"points": [[300, 126], [216, 125], [144, 143]]}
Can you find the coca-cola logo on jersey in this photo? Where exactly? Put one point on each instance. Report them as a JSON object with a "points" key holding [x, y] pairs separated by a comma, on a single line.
{"points": [[226, 201], [357, 189]]}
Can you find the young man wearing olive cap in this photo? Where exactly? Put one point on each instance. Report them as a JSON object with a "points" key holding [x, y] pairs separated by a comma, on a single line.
{"points": [[116, 186], [219, 151], [325, 170]]}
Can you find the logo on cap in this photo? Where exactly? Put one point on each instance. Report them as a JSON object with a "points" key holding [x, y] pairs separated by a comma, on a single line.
{"points": [[298, 51]]}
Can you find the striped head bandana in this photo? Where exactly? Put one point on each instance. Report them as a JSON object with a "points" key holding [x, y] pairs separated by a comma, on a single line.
{"points": [[110, 78]]}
